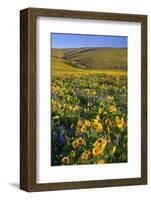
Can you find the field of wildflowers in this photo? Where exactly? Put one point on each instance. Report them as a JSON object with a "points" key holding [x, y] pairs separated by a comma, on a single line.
{"points": [[88, 119]]}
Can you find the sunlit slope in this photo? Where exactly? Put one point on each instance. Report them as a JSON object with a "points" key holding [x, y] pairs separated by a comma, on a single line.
{"points": [[59, 67], [93, 58]]}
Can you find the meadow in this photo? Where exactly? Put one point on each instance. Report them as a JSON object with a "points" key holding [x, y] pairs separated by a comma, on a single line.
{"points": [[88, 115]]}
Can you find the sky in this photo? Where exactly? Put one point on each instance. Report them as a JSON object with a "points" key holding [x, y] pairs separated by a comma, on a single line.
{"points": [[63, 40]]}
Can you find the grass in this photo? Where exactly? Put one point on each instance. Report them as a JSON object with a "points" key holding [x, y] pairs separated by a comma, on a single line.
{"points": [[94, 58], [58, 66]]}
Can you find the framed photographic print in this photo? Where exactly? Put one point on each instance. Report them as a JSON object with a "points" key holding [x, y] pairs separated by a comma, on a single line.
{"points": [[83, 93]]}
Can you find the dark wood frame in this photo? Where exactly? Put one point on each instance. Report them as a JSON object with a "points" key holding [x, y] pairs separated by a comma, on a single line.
{"points": [[28, 98]]}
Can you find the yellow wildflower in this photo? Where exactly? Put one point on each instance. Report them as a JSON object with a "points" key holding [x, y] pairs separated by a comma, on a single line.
{"points": [[107, 121], [97, 150], [83, 128], [76, 108], [100, 142], [85, 155], [101, 161], [101, 110], [119, 122], [97, 118], [65, 105], [110, 98], [112, 109], [77, 130], [117, 119], [70, 107], [93, 93], [80, 122], [80, 141], [99, 127], [75, 144], [72, 153], [65, 160], [87, 123]]}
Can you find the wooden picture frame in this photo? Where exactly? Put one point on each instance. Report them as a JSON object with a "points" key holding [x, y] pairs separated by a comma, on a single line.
{"points": [[28, 98]]}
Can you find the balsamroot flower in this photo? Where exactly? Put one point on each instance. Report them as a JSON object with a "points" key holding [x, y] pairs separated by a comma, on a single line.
{"points": [[65, 160], [119, 122], [100, 142], [101, 161], [75, 144], [99, 146], [98, 150], [72, 153], [86, 155], [112, 109], [80, 141]]}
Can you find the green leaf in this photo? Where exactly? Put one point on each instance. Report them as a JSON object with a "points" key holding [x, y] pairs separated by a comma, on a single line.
{"points": [[56, 117]]}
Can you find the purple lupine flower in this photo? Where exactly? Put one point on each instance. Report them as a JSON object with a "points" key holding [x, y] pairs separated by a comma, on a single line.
{"points": [[62, 139]]}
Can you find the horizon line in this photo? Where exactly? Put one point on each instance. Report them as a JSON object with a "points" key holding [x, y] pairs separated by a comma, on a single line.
{"points": [[87, 47]]}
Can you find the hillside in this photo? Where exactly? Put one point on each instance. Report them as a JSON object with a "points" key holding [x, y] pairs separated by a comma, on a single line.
{"points": [[92, 58]]}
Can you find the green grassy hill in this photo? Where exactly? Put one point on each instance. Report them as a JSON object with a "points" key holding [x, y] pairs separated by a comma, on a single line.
{"points": [[91, 58]]}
